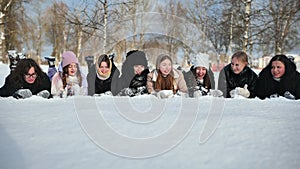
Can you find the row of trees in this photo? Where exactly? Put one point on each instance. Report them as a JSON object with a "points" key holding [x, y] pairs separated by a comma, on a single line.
{"points": [[101, 26]]}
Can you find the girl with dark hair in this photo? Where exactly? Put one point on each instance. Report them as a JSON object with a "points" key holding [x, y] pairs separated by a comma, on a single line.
{"points": [[101, 75], [278, 78], [133, 80], [165, 77], [70, 81], [26, 80], [237, 79], [200, 78]]}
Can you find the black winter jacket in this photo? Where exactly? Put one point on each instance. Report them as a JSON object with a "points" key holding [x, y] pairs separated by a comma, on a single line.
{"points": [[98, 86], [228, 80], [10, 87], [139, 80], [290, 81]]}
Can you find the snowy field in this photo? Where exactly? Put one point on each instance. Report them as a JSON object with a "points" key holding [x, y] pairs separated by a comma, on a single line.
{"points": [[144, 132]]}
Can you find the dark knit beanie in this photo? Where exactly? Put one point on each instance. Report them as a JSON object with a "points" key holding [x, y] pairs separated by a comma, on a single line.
{"points": [[137, 58]]}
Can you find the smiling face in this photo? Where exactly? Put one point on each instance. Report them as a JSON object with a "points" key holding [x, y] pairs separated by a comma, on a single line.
{"points": [[103, 67], [278, 69], [30, 76], [200, 72], [237, 65], [72, 69], [165, 67]]}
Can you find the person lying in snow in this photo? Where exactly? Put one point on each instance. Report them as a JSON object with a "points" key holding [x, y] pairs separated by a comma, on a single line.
{"points": [[278, 78], [165, 78], [101, 75], [133, 80], [26, 80], [71, 81]]}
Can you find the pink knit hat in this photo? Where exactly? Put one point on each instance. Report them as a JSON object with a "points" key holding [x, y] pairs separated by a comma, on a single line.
{"points": [[68, 57]]}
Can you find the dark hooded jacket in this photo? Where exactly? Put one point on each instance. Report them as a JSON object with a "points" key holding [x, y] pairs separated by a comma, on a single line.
{"points": [[128, 78], [266, 85], [228, 80]]}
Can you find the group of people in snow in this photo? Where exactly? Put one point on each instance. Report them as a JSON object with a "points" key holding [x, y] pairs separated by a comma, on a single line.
{"points": [[237, 79]]}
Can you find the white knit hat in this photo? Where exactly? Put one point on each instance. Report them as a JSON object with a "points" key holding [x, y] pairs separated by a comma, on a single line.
{"points": [[201, 59]]}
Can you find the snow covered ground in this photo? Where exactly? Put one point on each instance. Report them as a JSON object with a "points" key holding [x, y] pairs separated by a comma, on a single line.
{"points": [[144, 132]]}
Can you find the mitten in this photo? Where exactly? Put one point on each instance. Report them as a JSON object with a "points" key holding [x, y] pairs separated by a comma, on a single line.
{"points": [[288, 95], [22, 94], [244, 91], [43, 94], [197, 93], [216, 93], [164, 94], [108, 93], [141, 90]]}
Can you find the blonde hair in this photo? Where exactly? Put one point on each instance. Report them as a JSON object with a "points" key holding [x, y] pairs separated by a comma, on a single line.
{"points": [[241, 56]]}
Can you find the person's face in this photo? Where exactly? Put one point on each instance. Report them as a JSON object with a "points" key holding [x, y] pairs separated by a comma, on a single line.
{"points": [[165, 67], [72, 69], [237, 66], [103, 67], [278, 69], [138, 69], [30, 76], [200, 72]]}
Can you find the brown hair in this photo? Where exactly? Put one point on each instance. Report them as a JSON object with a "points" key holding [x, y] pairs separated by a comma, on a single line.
{"points": [[164, 83], [65, 75]]}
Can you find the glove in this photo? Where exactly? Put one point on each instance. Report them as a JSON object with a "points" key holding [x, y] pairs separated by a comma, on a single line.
{"points": [[44, 94], [164, 94], [244, 91], [240, 91], [22, 94], [288, 95], [216, 93], [129, 92], [141, 90], [197, 93]]}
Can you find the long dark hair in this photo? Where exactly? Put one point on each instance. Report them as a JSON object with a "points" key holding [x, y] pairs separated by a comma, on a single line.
{"points": [[22, 69], [290, 66], [104, 58], [206, 78]]}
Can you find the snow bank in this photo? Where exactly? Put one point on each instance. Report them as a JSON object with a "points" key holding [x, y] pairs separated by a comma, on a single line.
{"points": [[38, 133]]}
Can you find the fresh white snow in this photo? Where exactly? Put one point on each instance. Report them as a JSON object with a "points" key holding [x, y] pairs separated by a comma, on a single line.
{"points": [[144, 132]]}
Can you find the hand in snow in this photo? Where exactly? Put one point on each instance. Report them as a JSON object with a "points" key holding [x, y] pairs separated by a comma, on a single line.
{"points": [[44, 94], [22, 94], [240, 91], [216, 93], [197, 93], [164, 94], [288, 95]]}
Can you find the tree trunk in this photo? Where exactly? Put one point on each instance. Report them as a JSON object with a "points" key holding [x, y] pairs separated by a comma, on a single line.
{"points": [[247, 23]]}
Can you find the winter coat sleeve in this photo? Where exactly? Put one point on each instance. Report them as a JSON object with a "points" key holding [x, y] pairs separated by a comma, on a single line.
{"points": [[222, 83], [84, 85], [180, 82], [56, 85], [91, 78], [150, 83]]}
